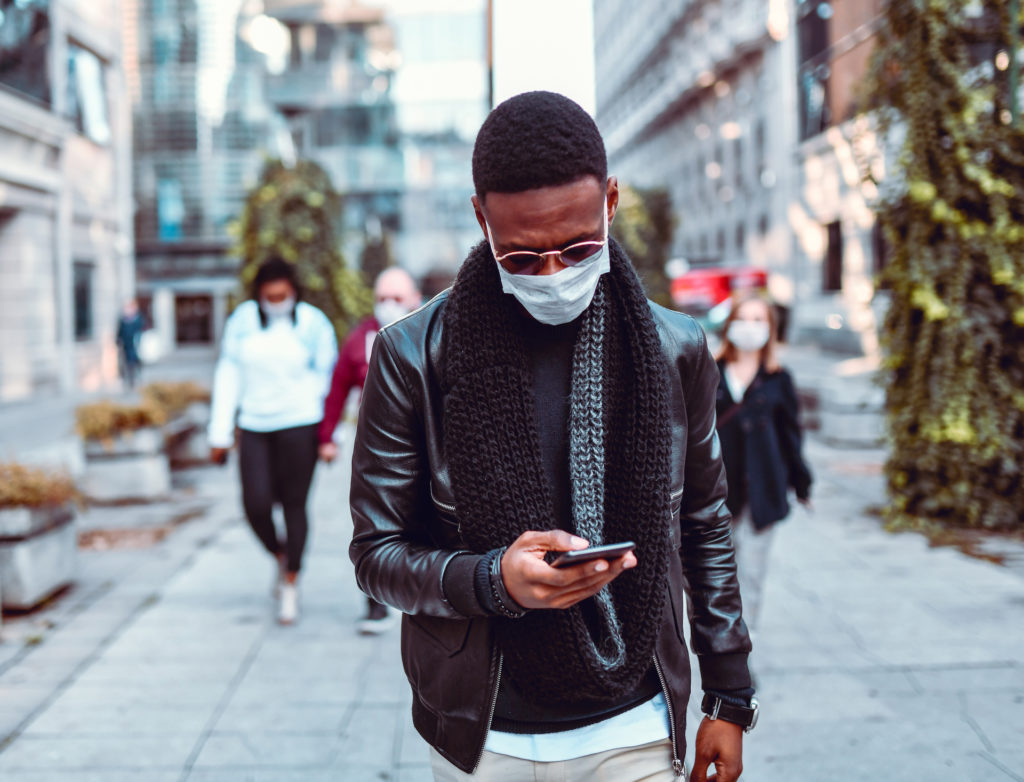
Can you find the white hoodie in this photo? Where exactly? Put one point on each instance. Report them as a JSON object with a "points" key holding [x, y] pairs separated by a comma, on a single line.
{"points": [[271, 378]]}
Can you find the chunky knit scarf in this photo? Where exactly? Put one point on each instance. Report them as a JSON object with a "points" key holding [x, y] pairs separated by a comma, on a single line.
{"points": [[619, 465]]}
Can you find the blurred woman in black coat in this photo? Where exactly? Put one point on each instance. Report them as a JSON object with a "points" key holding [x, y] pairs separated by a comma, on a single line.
{"points": [[761, 441]]}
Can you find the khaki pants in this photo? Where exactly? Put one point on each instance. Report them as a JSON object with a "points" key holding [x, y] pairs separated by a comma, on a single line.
{"points": [[646, 763], [753, 547]]}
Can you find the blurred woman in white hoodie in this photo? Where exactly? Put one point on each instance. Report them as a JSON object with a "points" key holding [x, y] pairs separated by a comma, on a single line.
{"points": [[274, 370]]}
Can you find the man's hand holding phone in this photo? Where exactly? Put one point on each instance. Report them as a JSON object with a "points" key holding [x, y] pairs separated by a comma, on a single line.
{"points": [[533, 583]]}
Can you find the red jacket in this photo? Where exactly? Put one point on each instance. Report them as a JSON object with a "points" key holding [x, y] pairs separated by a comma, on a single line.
{"points": [[349, 373]]}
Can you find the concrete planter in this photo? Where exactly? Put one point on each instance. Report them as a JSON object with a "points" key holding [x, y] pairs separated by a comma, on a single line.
{"points": [[133, 466], [187, 443], [135, 442], [38, 554]]}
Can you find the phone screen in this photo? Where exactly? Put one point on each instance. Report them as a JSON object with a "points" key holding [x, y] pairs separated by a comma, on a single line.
{"points": [[607, 551]]}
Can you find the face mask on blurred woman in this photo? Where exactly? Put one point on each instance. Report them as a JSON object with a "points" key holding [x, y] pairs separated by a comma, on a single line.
{"points": [[278, 309], [748, 335]]}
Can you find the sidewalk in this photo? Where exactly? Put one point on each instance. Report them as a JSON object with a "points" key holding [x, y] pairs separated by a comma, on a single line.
{"points": [[877, 657]]}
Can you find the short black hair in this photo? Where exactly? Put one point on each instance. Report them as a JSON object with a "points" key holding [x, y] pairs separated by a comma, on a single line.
{"points": [[537, 139]]}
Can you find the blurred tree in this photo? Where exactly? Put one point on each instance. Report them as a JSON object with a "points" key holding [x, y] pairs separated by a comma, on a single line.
{"points": [[953, 213], [644, 225], [294, 212]]}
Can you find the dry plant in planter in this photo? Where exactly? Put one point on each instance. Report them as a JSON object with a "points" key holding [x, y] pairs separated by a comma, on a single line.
{"points": [[106, 420]]}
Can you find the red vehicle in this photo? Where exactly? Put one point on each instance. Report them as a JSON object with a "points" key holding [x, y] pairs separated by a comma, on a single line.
{"points": [[700, 291]]}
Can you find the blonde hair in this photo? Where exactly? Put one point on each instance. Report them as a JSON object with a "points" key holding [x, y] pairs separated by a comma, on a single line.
{"points": [[727, 352]]}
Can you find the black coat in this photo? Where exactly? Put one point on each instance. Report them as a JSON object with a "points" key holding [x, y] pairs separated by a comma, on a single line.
{"points": [[407, 532], [761, 446]]}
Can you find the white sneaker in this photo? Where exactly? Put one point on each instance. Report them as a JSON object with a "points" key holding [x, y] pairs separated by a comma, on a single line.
{"points": [[379, 619], [288, 611]]}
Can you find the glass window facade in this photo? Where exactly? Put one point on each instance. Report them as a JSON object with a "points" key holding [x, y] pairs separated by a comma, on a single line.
{"points": [[202, 120]]}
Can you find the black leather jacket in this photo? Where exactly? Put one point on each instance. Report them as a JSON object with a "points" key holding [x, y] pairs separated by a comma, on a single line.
{"points": [[406, 533]]}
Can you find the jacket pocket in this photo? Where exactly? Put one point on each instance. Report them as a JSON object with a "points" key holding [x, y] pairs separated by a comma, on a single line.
{"points": [[447, 532], [677, 600], [674, 533], [449, 635]]}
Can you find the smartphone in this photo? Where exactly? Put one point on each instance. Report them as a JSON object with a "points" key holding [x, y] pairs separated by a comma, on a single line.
{"points": [[608, 551]]}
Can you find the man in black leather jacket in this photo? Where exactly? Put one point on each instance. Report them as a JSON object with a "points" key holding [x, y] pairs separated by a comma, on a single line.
{"points": [[542, 405]]}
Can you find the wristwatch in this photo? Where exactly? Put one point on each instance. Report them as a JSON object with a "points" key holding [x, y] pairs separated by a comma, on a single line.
{"points": [[716, 708]]}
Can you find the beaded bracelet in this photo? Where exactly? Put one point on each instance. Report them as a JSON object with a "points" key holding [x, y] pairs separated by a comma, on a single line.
{"points": [[502, 599]]}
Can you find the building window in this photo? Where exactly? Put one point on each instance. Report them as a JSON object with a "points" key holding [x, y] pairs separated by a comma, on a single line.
{"points": [[762, 225], [25, 47], [193, 317], [741, 238], [87, 95], [82, 280], [834, 44], [813, 40], [832, 277]]}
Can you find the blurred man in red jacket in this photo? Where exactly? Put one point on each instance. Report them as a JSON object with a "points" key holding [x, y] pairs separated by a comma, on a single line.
{"points": [[395, 295]]}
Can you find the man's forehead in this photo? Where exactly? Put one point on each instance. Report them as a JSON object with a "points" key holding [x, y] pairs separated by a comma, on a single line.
{"points": [[576, 201]]}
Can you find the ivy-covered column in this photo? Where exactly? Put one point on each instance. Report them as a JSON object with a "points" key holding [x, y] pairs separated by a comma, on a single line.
{"points": [[954, 334]]}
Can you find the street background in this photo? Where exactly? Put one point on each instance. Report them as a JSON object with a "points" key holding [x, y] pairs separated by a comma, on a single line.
{"points": [[157, 152], [878, 656]]}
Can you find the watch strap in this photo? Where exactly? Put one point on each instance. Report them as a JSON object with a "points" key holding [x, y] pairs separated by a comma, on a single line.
{"points": [[718, 709]]}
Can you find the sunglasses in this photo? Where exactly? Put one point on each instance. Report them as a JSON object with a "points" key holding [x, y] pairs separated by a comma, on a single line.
{"points": [[527, 262]]}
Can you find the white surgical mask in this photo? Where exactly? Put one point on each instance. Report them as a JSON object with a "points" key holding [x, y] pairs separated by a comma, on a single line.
{"points": [[562, 297], [278, 309], [748, 335], [388, 311]]}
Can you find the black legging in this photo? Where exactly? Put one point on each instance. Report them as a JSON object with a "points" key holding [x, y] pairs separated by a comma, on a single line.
{"points": [[278, 467]]}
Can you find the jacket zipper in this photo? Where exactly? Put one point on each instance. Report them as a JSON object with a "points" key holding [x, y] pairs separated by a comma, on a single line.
{"points": [[438, 503], [490, 714], [677, 764], [446, 508]]}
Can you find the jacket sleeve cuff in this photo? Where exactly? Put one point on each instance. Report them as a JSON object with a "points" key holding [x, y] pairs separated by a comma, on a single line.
{"points": [[734, 697], [724, 671], [458, 584]]}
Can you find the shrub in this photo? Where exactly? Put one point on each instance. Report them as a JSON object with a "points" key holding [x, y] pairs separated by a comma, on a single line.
{"points": [[105, 420], [174, 398], [294, 212], [28, 487]]}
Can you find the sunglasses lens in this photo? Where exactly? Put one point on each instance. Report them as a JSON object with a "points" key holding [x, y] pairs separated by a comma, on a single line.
{"points": [[580, 252], [518, 263]]}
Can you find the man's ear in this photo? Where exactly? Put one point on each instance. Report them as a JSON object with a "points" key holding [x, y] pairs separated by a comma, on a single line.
{"points": [[612, 194], [480, 215]]}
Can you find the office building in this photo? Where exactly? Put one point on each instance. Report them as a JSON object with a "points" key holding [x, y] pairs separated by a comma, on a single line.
{"points": [[388, 97], [66, 262]]}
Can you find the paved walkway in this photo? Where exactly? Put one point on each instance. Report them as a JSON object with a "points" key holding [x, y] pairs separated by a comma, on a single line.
{"points": [[878, 657]]}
